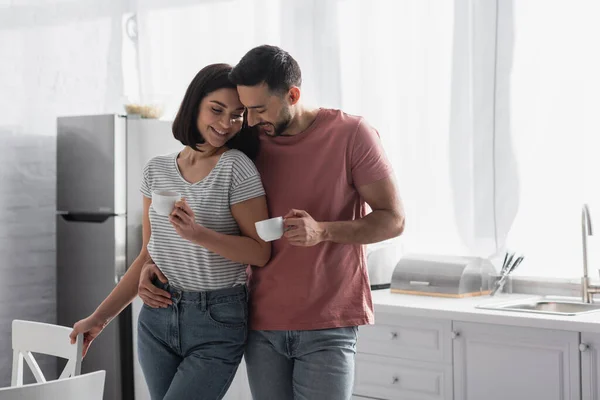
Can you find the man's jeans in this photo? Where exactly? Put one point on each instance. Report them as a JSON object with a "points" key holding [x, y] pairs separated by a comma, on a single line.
{"points": [[301, 365], [192, 349]]}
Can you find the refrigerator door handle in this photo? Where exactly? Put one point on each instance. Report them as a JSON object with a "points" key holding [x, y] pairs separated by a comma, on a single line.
{"points": [[86, 217], [118, 277]]}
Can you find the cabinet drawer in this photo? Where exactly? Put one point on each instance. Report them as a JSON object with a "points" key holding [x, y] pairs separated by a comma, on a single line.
{"points": [[390, 378], [408, 338]]}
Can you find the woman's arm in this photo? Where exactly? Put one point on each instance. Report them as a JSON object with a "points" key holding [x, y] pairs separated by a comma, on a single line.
{"points": [[127, 288], [246, 249], [121, 295]]}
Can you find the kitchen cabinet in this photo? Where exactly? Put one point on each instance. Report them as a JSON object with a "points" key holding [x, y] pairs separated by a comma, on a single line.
{"points": [[430, 359], [497, 362], [404, 358], [414, 358], [590, 366], [396, 378]]}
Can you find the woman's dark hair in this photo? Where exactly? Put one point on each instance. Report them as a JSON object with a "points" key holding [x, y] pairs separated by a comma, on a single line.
{"points": [[185, 128]]}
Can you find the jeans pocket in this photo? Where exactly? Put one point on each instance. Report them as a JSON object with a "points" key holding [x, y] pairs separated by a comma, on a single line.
{"points": [[153, 319], [232, 315]]}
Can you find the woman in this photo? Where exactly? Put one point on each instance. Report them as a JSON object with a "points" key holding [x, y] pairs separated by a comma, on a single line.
{"points": [[192, 348]]}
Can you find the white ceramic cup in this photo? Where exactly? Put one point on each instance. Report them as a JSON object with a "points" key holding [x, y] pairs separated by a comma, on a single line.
{"points": [[163, 201], [270, 229]]}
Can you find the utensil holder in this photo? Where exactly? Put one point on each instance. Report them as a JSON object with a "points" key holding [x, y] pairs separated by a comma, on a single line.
{"points": [[505, 282]]}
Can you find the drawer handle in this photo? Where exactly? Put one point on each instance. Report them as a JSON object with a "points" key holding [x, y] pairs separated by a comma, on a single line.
{"points": [[418, 283], [394, 335], [395, 380]]}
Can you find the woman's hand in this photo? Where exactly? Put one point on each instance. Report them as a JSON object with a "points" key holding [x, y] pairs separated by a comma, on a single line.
{"points": [[91, 328], [184, 221]]}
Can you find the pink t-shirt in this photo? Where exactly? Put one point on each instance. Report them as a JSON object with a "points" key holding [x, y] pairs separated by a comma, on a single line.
{"points": [[318, 171]]}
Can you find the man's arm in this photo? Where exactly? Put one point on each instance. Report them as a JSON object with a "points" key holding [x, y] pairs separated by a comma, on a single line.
{"points": [[385, 222]]}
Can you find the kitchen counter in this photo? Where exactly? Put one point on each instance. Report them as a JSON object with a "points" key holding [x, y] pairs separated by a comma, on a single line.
{"points": [[465, 310]]}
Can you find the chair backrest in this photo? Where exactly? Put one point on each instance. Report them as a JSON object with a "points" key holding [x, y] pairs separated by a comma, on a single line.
{"points": [[88, 386], [36, 337]]}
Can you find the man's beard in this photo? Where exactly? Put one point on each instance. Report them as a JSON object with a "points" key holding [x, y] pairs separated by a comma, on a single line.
{"points": [[282, 126], [285, 122]]}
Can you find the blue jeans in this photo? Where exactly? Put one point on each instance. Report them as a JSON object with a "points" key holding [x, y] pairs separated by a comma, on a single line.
{"points": [[192, 349], [301, 365]]}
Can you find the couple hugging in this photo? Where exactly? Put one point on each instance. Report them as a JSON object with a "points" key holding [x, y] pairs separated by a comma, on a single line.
{"points": [[254, 151]]}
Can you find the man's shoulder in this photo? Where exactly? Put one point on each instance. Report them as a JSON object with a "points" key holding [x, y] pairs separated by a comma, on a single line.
{"points": [[339, 119], [341, 115]]}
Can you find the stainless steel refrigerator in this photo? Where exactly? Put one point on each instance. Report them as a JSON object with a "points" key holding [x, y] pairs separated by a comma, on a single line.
{"points": [[100, 159]]}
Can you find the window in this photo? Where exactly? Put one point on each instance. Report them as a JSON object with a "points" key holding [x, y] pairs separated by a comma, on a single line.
{"points": [[548, 112]]}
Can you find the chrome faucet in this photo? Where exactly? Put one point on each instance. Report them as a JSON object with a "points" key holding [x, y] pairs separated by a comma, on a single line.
{"points": [[587, 290]]}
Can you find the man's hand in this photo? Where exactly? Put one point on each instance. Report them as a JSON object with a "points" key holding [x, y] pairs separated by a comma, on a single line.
{"points": [[184, 221], [150, 294], [302, 230]]}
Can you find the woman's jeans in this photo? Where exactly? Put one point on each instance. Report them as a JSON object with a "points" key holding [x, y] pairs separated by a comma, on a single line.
{"points": [[192, 349]]}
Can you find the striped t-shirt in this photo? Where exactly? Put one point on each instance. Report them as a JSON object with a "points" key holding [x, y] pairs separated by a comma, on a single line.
{"points": [[186, 265]]}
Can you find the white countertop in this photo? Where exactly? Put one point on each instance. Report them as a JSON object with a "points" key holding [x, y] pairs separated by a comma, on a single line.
{"points": [[465, 310]]}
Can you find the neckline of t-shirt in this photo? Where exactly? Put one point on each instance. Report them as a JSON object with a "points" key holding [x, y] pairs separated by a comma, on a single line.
{"points": [[305, 133], [201, 180]]}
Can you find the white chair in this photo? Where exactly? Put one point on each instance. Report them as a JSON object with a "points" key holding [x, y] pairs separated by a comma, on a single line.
{"points": [[36, 337], [83, 387]]}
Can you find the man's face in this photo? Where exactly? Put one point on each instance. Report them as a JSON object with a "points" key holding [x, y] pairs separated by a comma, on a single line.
{"points": [[270, 111]]}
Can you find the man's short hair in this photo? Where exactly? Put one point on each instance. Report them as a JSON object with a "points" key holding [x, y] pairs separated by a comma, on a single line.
{"points": [[268, 64]]}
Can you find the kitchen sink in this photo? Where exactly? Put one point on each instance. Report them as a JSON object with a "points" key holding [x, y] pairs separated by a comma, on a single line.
{"points": [[545, 305]]}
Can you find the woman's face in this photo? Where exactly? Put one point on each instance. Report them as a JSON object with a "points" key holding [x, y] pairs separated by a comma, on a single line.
{"points": [[220, 116]]}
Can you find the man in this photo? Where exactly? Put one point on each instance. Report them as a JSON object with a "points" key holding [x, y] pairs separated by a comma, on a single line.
{"points": [[320, 168]]}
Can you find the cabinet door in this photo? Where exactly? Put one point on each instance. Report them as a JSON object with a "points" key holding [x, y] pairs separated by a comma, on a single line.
{"points": [[496, 362], [590, 366]]}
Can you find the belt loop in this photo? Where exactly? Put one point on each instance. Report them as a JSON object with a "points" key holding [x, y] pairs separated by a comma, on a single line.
{"points": [[203, 305]]}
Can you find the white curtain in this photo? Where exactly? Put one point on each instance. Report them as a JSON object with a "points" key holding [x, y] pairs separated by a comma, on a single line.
{"points": [[548, 105], [486, 108], [396, 69], [56, 58], [388, 60], [175, 42]]}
